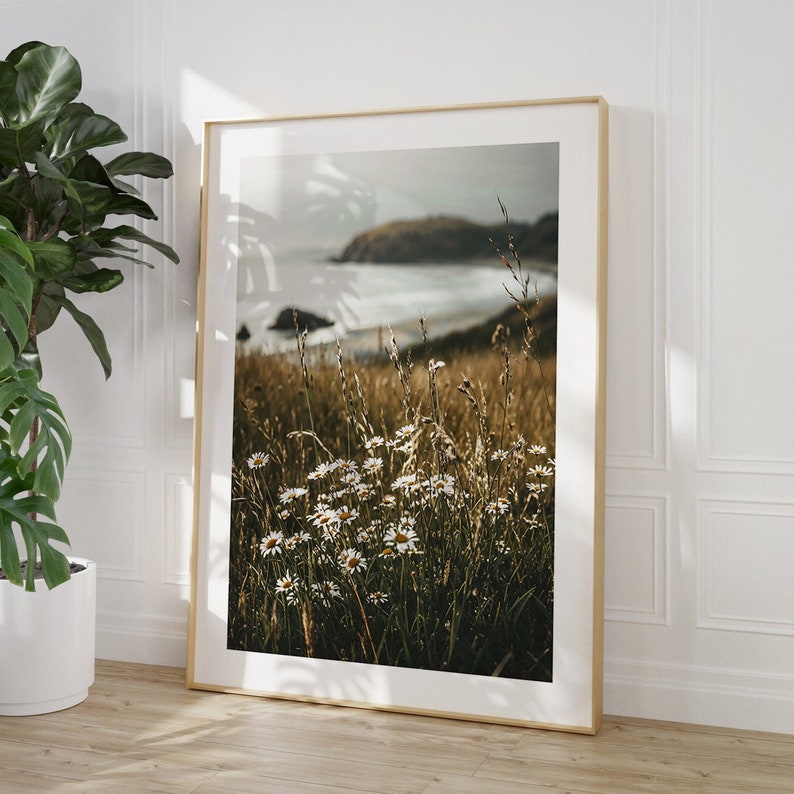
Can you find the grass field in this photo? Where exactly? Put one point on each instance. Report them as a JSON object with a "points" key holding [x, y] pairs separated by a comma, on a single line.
{"points": [[397, 510]]}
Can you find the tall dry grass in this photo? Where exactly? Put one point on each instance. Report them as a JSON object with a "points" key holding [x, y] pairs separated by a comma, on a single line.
{"points": [[397, 512]]}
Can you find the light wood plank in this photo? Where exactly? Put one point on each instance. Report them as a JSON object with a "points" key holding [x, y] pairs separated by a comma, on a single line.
{"points": [[246, 783], [141, 729]]}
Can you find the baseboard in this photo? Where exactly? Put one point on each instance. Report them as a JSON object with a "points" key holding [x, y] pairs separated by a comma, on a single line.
{"points": [[702, 696], [675, 693], [146, 639]]}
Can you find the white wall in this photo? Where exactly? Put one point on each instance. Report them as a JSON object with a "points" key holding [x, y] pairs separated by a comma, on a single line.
{"points": [[700, 521]]}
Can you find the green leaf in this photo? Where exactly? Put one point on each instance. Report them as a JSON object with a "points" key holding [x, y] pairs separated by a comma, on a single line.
{"points": [[122, 204], [88, 201], [22, 402], [106, 235], [140, 163], [17, 144], [9, 553], [47, 168], [8, 86], [7, 351], [29, 358], [11, 240], [16, 323], [12, 204], [101, 280], [15, 280], [16, 293], [15, 56], [48, 78], [91, 330], [48, 309], [53, 258], [81, 130], [16, 508]]}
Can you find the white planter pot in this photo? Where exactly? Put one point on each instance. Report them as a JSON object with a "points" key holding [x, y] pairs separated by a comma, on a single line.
{"points": [[47, 644]]}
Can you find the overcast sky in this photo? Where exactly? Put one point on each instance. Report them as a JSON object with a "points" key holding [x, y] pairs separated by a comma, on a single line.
{"points": [[323, 200]]}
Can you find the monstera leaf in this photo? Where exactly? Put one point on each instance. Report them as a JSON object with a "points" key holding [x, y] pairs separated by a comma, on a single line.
{"points": [[31, 473], [19, 509], [16, 293]]}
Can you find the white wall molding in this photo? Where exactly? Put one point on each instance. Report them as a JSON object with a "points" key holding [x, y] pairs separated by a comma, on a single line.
{"points": [[147, 639], [709, 459], [636, 548], [178, 529], [656, 456], [709, 696], [744, 553], [103, 517]]}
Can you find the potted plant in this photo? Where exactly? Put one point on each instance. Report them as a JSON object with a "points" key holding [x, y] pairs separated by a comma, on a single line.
{"points": [[58, 229]]}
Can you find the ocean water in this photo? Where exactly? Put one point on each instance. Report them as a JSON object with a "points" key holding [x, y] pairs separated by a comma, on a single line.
{"points": [[365, 301]]}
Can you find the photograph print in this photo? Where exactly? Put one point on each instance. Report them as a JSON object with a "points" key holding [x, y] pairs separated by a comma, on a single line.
{"points": [[400, 411], [393, 451]]}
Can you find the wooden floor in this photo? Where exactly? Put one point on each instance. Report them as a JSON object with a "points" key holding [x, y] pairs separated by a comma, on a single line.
{"points": [[141, 730]]}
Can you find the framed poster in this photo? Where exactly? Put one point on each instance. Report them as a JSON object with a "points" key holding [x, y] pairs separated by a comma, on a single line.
{"points": [[400, 411]]}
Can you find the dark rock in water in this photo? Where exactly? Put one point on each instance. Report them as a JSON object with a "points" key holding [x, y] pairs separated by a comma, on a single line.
{"points": [[288, 318], [243, 335]]}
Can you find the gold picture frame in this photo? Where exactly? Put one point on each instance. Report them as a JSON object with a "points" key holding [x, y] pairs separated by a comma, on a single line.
{"points": [[273, 186]]}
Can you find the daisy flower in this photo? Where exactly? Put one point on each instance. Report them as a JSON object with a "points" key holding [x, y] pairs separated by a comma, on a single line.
{"points": [[257, 460], [387, 551], [321, 471], [404, 432], [347, 515], [500, 454], [442, 483], [325, 517], [351, 478], [363, 491], [501, 505], [290, 494], [365, 534], [287, 584], [537, 487], [271, 543], [402, 538], [377, 597], [406, 481], [346, 465], [542, 471], [389, 500], [375, 441], [351, 560], [536, 449], [326, 592], [372, 465]]}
